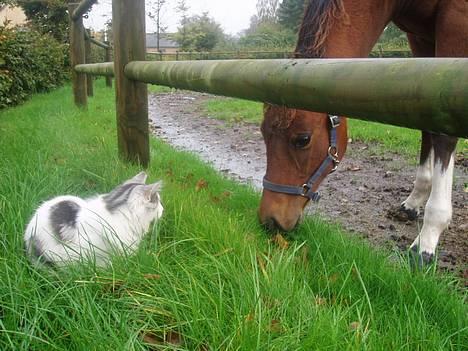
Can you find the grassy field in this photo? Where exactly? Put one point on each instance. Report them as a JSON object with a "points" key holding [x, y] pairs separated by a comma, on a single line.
{"points": [[207, 277], [401, 140]]}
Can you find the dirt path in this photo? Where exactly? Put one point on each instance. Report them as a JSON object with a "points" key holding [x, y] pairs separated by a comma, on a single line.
{"points": [[359, 195]]}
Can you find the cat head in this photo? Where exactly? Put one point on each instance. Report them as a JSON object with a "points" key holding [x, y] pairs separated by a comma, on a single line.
{"points": [[143, 200]]}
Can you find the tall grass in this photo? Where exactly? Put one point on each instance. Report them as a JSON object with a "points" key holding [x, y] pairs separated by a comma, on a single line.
{"points": [[207, 277]]}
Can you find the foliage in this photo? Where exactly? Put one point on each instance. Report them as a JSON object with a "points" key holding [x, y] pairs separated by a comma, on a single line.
{"points": [[48, 17], [207, 276], [182, 10], [156, 13], [200, 33], [267, 10], [34, 62], [268, 36], [290, 14], [393, 38]]}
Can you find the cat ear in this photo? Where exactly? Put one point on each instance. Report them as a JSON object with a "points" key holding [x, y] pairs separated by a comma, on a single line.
{"points": [[151, 192], [140, 178]]}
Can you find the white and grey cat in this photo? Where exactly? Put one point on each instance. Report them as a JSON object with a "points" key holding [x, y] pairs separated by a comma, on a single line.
{"points": [[67, 229]]}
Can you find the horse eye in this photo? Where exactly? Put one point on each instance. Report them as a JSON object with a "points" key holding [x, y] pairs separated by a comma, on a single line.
{"points": [[301, 141]]}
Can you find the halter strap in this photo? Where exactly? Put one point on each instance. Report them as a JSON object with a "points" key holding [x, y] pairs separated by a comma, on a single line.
{"points": [[306, 189]]}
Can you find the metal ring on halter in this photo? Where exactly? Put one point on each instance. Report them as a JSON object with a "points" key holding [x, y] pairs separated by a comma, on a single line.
{"points": [[305, 189]]}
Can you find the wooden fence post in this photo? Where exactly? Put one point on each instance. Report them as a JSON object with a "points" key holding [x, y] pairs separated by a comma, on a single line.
{"points": [[88, 59], [77, 56], [132, 96]]}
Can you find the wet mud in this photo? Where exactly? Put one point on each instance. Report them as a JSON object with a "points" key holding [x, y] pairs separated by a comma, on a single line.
{"points": [[360, 195]]}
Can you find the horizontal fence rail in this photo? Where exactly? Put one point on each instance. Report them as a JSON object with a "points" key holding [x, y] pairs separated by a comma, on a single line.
{"points": [[427, 94], [82, 8], [96, 42]]}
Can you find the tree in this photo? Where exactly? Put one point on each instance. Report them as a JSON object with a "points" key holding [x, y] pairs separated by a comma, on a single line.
{"points": [[290, 14], [182, 9], [393, 38], [47, 17], [266, 10], [268, 36], [200, 33], [155, 13]]}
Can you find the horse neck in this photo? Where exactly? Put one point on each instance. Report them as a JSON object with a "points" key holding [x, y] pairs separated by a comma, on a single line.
{"points": [[352, 32], [355, 33]]}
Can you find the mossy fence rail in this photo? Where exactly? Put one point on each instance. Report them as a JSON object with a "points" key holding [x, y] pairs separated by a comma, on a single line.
{"points": [[424, 93]]}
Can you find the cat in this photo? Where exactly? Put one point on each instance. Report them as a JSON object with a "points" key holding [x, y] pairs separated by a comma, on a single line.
{"points": [[69, 229]]}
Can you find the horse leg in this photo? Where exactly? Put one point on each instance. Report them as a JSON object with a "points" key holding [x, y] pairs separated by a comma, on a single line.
{"points": [[438, 210], [410, 208], [422, 185], [451, 31]]}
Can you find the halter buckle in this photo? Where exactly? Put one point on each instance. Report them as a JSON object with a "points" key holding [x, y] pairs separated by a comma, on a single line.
{"points": [[333, 154], [334, 121], [305, 190]]}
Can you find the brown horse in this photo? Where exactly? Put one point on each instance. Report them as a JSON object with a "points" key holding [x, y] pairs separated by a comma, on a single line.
{"points": [[303, 147]]}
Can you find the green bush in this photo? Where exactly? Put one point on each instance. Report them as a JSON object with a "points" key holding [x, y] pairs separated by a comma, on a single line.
{"points": [[29, 63]]}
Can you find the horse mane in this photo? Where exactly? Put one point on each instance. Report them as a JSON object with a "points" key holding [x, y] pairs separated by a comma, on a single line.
{"points": [[319, 17]]}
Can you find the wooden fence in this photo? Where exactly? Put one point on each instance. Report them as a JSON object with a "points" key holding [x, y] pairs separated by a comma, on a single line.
{"points": [[242, 55], [429, 94]]}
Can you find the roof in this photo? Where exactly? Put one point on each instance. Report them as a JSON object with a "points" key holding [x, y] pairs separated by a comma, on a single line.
{"points": [[164, 41]]}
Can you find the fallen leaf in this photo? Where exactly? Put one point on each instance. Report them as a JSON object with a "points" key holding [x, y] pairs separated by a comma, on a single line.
{"points": [[170, 337], [333, 278], [203, 347], [275, 326], [250, 317], [173, 337], [201, 184], [216, 199], [261, 264], [151, 338], [320, 301], [279, 240], [305, 254], [354, 168]]}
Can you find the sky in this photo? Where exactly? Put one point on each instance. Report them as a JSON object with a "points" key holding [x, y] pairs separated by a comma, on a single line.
{"points": [[232, 15]]}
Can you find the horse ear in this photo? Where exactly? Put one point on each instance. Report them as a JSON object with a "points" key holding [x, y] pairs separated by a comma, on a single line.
{"points": [[140, 178]]}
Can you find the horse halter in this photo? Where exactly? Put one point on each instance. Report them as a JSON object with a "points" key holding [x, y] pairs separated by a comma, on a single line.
{"points": [[306, 189]]}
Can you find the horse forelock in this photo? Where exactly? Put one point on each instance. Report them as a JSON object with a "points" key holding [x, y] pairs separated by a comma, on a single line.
{"points": [[319, 17], [279, 117]]}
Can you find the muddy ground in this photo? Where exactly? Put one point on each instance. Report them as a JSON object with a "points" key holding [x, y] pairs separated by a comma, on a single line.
{"points": [[359, 195]]}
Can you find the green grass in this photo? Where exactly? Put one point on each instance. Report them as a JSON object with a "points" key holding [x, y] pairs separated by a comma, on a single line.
{"points": [[400, 140], [157, 89], [207, 274], [234, 110]]}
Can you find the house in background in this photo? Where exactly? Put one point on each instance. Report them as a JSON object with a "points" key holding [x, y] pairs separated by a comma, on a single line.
{"points": [[166, 45], [13, 14]]}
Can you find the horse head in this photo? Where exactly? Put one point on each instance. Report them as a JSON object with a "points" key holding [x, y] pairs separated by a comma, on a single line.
{"points": [[302, 148]]}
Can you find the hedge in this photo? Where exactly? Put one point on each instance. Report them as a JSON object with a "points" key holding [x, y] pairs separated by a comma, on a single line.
{"points": [[30, 63]]}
